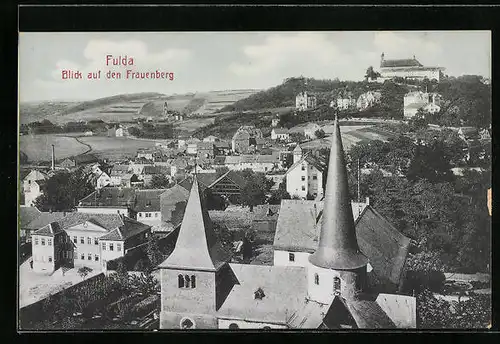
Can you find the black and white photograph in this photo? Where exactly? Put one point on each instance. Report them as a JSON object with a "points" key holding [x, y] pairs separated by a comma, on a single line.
{"points": [[254, 180]]}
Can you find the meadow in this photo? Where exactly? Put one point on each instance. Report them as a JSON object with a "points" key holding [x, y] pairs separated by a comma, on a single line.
{"points": [[39, 147]]}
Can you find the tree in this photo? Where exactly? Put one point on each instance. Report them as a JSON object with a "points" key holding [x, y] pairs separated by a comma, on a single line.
{"points": [[153, 252], [63, 190], [255, 190], [418, 122], [84, 271], [371, 74], [320, 133], [278, 195], [160, 181]]}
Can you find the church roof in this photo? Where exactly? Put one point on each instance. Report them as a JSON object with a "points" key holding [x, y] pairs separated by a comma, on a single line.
{"points": [[27, 214], [148, 200], [338, 246], [197, 246], [284, 287], [368, 314], [400, 63]]}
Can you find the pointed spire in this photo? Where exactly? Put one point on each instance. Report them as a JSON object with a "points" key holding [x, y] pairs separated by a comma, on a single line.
{"points": [[197, 246], [338, 246]]}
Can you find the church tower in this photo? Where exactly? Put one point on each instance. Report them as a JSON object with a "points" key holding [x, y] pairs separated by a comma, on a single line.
{"points": [[297, 154], [194, 276], [337, 267]]}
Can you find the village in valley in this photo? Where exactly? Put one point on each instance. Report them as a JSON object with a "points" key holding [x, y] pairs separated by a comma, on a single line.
{"points": [[316, 204]]}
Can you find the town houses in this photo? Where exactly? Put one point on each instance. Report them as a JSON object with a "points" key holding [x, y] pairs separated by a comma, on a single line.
{"points": [[305, 101], [417, 100]]}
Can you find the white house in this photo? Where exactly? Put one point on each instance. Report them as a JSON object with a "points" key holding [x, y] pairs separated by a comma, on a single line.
{"points": [[281, 134], [103, 180], [32, 186], [413, 101], [368, 99], [305, 177]]}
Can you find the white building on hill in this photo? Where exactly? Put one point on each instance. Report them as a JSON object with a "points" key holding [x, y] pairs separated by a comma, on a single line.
{"points": [[305, 101]]}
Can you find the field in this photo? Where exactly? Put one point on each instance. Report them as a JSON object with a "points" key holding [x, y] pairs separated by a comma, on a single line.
{"points": [[38, 147], [351, 135], [115, 148]]}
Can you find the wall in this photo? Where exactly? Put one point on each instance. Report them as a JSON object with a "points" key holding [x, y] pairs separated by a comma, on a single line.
{"points": [[41, 254], [154, 220], [281, 258], [198, 303], [224, 324], [294, 182], [86, 248], [107, 254], [104, 210]]}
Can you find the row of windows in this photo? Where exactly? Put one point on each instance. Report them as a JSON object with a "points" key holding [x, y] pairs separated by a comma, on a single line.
{"points": [[148, 214], [303, 178], [42, 259], [43, 241], [88, 256], [186, 281], [111, 246], [89, 240]]}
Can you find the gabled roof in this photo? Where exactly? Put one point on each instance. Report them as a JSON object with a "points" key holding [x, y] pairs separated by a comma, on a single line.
{"points": [[173, 203], [50, 229], [281, 131], [148, 200], [119, 169], [205, 145], [284, 287], [311, 159], [43, 219], [27, 214], [368, 314], [129, 229], [400, 63], [385, 246], [109, 197], [106, 221], [401, 309], [196, 235], [231, 175], [150, 169]]}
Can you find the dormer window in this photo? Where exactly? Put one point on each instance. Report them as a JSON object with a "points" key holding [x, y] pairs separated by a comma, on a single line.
{"points": [[259, 294]]}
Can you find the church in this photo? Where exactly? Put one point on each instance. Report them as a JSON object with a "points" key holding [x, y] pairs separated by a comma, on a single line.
{"points": [[201, 289]]}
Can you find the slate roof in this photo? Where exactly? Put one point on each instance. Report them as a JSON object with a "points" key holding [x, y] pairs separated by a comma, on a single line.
{"points": [[281, 131], [27, 214], [400, 308], [400, 63], [284, 287], [44, 219], [148, 200], [172, 204], [311, 159], [106, 221], [129, 229], [119, 169], [383, 244], [233, 176], [50, 229], [150, 169], [368, 314], [298, 228], [109, 197]]}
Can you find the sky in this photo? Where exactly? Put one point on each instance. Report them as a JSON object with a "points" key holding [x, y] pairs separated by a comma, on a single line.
{"points": [[213, 61]]}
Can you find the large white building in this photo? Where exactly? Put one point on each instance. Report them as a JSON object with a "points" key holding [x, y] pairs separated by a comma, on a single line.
{"points": [[329, 291], [408, 69], [33, 187], [414, 101], [305, 101]]}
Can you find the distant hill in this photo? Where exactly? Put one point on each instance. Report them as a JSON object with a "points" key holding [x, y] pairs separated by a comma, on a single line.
{"points": [[284, 95]]}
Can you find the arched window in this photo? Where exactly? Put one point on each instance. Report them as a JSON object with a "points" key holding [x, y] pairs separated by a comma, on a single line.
{"points": [[316, 279], [336, 284], [193, 281], [181, 281], [233, 326], [186, 281]]}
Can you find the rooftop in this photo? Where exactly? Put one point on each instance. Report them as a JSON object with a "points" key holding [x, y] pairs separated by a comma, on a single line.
{"points": [[284, 287]]}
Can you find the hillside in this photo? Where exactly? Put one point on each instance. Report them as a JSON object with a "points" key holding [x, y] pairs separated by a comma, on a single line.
{"points": [[37, 111], [284, 95]]}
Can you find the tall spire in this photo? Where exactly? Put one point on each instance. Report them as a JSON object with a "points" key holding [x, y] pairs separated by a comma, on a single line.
{"points": [[338, 246], [197, 246]]}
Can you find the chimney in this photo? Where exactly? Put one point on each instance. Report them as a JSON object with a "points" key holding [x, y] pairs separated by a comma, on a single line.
{"points": [[53, 159]]}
